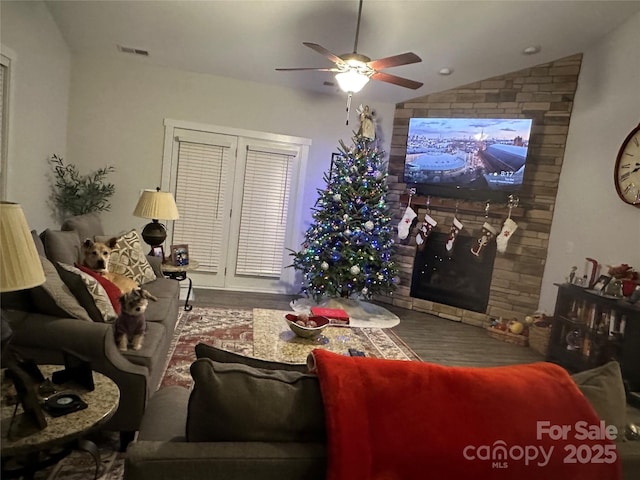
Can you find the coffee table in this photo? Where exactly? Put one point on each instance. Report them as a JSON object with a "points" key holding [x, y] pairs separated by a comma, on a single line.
{"points": [[27, 451], [273, 340]]}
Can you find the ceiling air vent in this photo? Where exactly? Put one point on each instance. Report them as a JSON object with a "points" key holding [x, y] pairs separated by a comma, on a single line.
{"points": [[133, 51]]}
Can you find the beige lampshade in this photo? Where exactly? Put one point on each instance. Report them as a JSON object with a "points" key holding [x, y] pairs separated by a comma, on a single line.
{"points": [[156, 205], [20, 266]]}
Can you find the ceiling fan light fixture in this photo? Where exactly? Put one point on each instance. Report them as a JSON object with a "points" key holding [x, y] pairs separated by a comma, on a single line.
{"points": [[351, 81]]}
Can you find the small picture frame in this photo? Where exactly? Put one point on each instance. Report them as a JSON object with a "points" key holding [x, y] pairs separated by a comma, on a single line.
{"points": [[601, 283], [180, 255], [158, 252]]}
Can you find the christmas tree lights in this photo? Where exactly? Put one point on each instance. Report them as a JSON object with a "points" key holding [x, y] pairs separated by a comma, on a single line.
{"points": [[347, 249]]}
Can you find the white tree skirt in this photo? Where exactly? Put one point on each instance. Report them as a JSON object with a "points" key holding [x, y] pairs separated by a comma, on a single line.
{"points": [[361, 314]]}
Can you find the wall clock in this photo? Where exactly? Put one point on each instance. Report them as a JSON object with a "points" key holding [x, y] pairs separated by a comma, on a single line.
{"points": [[626, 174]]}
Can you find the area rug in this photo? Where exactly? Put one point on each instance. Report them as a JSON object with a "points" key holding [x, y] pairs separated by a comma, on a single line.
{"points": [[232, 330]]}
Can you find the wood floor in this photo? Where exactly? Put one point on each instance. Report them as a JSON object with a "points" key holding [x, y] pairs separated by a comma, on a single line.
{"points": [[432, 338]]}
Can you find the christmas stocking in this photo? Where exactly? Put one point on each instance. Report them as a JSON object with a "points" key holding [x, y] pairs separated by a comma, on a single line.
{"points": [[453, 234], [405, 223], [488, 234], [507, 230], [427, 225]]}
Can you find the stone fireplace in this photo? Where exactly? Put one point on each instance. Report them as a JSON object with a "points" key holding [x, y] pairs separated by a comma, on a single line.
{"points": [[544, 93]]}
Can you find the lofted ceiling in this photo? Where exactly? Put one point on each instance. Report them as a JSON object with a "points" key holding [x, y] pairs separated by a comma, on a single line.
{"points": [[247, 40]]}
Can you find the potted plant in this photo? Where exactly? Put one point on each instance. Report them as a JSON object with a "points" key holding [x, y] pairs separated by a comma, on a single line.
{"points": [[75, 194]]}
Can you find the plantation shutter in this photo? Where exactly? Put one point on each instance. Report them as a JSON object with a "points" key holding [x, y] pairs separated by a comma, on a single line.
{"points": [[265, 203], [201, 187]]}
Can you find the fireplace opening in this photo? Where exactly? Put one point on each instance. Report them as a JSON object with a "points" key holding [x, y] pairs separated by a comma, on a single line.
{"points": [[460, 279]]}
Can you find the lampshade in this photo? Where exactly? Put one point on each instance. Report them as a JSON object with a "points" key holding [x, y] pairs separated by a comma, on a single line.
{"points": [[156, 205], [351, 81], [20, 266]]}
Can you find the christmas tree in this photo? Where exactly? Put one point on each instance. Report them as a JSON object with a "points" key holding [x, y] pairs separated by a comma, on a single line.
{"points": [[347, 249]]}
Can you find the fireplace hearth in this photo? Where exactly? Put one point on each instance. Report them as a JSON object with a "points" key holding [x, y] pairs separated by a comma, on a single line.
{"points": [[460, 279]]}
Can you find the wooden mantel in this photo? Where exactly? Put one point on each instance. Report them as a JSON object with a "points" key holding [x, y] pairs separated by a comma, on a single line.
{"points": [[498, 210]]}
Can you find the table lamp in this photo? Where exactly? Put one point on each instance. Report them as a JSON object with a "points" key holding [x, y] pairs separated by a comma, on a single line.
{"points": [[155, 205], [20, 266]]}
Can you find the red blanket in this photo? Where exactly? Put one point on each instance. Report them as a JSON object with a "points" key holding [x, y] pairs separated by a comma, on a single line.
{"points": [[391, 419]]}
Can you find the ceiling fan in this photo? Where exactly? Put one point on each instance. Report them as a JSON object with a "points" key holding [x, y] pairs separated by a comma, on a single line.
{"points": [[354, 70]]}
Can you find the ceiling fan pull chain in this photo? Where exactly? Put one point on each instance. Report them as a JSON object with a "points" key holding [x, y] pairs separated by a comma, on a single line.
{"points": [[349, 95]]}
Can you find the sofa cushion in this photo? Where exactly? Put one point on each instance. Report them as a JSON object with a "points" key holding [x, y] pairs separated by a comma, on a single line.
{"points": [[234, 402], [128, 258], [166, 291], [112, 290], [85, 226], [38, 243], [54, 297], [604, 389], [62, 246], [151, 346], [222, 356], [91, 295]]}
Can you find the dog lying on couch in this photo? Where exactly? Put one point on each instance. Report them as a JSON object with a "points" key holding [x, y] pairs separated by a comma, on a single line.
{"points": [[96, 257]]}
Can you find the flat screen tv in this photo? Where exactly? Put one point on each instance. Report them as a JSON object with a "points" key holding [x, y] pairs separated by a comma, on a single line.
{"points": [[472, 158]]}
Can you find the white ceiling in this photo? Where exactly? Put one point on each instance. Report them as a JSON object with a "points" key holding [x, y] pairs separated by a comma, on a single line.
{"points": [[247, 40]]}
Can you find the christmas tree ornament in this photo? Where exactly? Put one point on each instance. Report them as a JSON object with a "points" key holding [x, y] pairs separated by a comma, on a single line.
{"points": [[337, 197], [355, 270], [368, 226], [324, 266], [453, 235], [488, 234], [405, 223], [502, 239], [428, 224]]}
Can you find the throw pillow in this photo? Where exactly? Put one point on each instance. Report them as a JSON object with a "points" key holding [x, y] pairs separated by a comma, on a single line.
{"points": [[91, 295], [237, 403], [113, 292], [62, 246], [54, 297], [128, 258], [604, 388], [86, 226], [222, 356]]}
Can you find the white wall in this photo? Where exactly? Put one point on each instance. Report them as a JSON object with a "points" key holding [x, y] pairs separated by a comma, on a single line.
{"points": [[118, 106], [590, 220], [39, 104]]}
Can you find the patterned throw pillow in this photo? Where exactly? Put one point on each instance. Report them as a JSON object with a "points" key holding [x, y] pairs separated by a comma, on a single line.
{"points": [[91, 295], [128, 258], [54, 298]]}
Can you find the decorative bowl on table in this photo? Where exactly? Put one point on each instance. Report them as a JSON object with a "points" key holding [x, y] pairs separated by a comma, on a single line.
{"points": [[306, 326]]}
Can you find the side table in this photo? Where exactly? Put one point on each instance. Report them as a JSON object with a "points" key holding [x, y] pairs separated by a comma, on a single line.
{"points": [[181, 273], [28, 451]]}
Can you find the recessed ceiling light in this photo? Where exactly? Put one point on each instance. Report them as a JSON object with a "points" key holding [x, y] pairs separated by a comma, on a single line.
{"points": [[531, 50], [445, 71]]}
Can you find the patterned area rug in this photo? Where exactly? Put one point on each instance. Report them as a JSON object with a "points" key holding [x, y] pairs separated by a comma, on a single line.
{"points": [[229, 329], [232, 330]]}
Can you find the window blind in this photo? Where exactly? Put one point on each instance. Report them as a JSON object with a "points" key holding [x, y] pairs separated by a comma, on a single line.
{"points": [[263, 221], [200, 192]]}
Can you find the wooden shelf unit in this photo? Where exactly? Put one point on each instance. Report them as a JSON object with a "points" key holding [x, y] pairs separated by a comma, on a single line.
{"points": [[590, 329]]}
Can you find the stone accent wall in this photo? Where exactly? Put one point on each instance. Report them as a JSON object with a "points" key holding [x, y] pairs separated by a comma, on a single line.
{"points": [[544, 93]]}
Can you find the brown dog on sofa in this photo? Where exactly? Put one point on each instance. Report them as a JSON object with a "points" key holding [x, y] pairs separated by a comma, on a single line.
{"points": [[96, 257]]}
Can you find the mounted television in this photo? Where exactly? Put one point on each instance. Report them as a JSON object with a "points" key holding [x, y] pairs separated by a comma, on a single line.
{"points": [[471, 158]]}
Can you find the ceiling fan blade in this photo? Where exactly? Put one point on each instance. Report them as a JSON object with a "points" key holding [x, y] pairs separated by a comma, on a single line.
{"points": [[395, 61], [323, 51], [313, 69], [403, 82]]}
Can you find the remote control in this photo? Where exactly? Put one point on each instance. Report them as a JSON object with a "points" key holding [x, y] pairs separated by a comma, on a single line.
{"points": [[356, 353]]}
